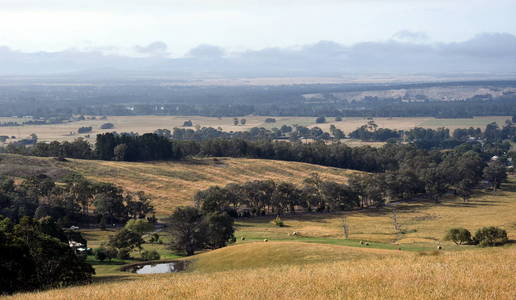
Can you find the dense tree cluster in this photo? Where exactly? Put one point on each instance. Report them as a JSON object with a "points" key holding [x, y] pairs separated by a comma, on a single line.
{"points": [[193, 230], [427, 138], [427, 174], [35, 254], [70, 200]]}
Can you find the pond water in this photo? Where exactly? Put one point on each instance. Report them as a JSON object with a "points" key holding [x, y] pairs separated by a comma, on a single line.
{"points": [[169, 267]]}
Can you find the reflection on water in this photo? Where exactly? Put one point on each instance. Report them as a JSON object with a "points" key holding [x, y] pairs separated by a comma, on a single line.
{"points": [[170, 267]]}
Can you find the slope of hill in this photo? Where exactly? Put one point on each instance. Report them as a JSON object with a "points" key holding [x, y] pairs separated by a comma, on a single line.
{"points": [[454, 275], [270, 254], [171, 184]]}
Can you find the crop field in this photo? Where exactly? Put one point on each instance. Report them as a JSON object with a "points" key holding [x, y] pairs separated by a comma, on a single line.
{"points": [[146, 124]]}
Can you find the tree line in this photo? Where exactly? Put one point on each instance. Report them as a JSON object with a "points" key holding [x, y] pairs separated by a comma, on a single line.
{"points": [[431, 177], [70, 200]]}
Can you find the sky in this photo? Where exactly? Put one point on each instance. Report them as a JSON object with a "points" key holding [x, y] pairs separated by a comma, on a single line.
{"points": [[174, 27], [257, 37]]}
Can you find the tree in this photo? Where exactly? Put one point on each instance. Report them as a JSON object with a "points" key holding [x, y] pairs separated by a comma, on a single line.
{"points": [[107, 126], [320, 120], [459, 236], [100, 254], [120, 152], [138, 205], [491, 236], [33, 260], [187, 230], [219, 230], [495, 173], [140, 226], [126, 239]]}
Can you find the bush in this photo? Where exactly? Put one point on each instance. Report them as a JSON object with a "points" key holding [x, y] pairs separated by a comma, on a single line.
{"points": [[459, 236], [490, 236], [150, 255], [270, 120], [278, 222]]}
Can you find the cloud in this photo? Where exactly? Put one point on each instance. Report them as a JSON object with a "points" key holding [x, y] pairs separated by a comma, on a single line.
{"points": [[488, 52], [206, 51], [155, 48]]}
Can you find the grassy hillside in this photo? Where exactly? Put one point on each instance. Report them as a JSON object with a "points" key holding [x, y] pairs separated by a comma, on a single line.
{"points": [[484, 274], [270, 254], [171, 184], [423, 222], [174, 183]]}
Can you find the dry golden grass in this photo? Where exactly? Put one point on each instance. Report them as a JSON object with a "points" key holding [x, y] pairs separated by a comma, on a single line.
{"points": [[483, 274], [145, 124], [174, 183], [423, 221], [270, 254]]}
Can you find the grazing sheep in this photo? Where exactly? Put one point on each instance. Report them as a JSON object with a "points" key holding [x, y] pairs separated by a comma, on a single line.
{"points": [[265, 240], [361, 242], [294, 233], [243, 238], [439, 247], [367, 244]]}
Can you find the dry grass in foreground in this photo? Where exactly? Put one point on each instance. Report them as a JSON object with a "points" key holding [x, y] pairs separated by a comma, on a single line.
{"points": [[483, 274]]}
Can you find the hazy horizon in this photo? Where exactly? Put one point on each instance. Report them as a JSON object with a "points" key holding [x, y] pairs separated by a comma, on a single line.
{"points": [[257, 38]]}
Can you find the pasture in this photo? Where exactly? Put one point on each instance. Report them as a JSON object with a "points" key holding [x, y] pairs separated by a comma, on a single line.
{"points": [[453, 275], [146, 124], [317, 262]]}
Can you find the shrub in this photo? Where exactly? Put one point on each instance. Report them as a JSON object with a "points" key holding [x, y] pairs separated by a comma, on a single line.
{"points": [[490, 236], [270, 120], [459, 236], [150, 255], [187, 123], [278, 222]]}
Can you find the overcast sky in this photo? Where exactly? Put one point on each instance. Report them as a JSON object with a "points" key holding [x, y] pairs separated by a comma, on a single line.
{"points": [[173, 27]]}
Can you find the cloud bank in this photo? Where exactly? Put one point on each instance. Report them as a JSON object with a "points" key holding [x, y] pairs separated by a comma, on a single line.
{"points": [[406, 53]]}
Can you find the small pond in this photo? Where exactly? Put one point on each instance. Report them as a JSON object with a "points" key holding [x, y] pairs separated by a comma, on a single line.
{"points": [[157, 268]]}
